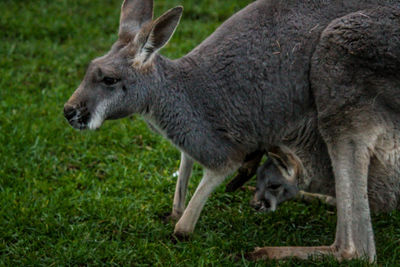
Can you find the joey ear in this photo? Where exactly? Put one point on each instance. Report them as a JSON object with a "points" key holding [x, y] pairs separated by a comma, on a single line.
{"points": [[278, 160], [279, 157], [286, 163], [156, 35], [134, 13]]}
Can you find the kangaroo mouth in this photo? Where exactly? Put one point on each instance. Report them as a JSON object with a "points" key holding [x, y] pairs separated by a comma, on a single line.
{"points": [[264, 205], [77, 118]]}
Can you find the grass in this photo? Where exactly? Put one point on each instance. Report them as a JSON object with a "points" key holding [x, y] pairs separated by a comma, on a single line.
{"points": [[96, 198]]}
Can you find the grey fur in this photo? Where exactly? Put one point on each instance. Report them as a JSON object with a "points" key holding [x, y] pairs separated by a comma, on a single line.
{"points": [[254, 81], [272, 188]]}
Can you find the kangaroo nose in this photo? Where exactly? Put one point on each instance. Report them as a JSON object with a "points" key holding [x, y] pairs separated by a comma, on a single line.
{"points": [[262, 205], [69, 112], [256, 204]]}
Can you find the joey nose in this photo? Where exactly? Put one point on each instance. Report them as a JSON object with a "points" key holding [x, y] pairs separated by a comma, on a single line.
{"points": [[261, 205], [256, 204], [69, 112]]}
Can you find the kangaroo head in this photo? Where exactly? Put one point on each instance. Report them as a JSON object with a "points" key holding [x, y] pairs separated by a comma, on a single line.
{"points": [[123, 81], [276, 180]]}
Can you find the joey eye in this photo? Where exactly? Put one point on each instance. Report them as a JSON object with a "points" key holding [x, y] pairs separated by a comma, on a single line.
{"points": [[273, 186], [110, 81]]}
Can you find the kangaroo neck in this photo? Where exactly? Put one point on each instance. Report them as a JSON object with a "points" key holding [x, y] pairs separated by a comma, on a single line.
{"points": [[179, 115], [172, 113]]}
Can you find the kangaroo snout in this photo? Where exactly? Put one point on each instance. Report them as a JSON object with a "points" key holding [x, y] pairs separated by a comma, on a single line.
{"points": [[256, 204], [69, 112], [77, 116], [264, 204]]}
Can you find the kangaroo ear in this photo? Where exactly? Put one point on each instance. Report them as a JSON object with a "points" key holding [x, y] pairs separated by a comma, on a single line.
{"points": [[134, 13], [280, 160], [286, 163], [155, 36]]}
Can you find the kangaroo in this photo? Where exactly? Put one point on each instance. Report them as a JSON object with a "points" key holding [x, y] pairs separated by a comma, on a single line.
{"points": [[273, 187], [299, 167], [251, 82]]}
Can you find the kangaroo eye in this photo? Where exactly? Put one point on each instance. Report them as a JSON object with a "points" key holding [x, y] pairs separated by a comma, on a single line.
{"points": [[110, 81]]}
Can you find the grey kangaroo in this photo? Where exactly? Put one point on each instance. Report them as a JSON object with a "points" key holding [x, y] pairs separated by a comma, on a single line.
{"points": [[251, 82]]}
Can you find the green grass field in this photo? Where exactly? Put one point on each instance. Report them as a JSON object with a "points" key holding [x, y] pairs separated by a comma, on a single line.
{"points": [[97, 198]]}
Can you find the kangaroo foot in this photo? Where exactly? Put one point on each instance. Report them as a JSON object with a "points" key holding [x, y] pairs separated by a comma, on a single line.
{"points": [[287, 252], [182, 237]]}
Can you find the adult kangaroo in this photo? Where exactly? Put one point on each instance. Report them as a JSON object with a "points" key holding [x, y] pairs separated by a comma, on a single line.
{"points": [[255, 79]]}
